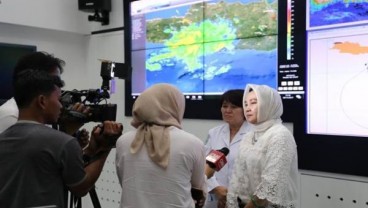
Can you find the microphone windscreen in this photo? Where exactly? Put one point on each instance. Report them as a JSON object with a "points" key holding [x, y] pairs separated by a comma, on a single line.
{"points": [[225, 150]]}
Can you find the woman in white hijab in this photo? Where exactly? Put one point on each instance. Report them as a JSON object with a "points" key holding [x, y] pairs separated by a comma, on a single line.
{"points": [[158, 163], [266, 169]]}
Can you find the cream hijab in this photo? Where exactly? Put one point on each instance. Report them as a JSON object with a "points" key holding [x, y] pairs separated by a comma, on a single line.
{"points": [[154, 111], [270, 106]]}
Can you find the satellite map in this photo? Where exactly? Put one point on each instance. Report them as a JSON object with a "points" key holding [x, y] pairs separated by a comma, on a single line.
{"points": [[331, 12], [212, 46]]}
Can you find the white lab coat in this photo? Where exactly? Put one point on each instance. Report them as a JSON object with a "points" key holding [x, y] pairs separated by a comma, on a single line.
{"points": [[8, 114], [219, 137]]}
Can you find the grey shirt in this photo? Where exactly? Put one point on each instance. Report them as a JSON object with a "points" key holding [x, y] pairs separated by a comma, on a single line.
{"points": [[36, 163]]}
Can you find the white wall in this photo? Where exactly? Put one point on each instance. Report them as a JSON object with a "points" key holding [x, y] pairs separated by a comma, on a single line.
{"points": [[59, 28], [331, 190], [56, 15], [70, 47], [50, 14]]}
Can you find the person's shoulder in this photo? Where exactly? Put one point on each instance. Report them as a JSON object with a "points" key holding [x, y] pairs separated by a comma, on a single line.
{"points": [[41, 132], [281, 128], [53, 132], [280, 132], [245, 127], [9, 107], [181, 134], [219, 128], [129, 135], [185, 141], [125, 140]]}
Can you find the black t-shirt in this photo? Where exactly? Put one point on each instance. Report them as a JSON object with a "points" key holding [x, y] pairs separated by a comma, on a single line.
{"points": [[36, 162]]}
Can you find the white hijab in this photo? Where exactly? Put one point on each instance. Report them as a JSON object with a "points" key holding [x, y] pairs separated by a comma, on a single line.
{"points": [[269, 106]]}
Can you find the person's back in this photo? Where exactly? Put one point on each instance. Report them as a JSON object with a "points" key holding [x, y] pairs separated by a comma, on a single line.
{"points": [[158, 164], [144, 184], [32, 176]]}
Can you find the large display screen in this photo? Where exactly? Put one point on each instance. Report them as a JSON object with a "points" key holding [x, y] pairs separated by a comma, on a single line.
{"points": [[203, 47], [332, 136], [312, 52], [208, 47], [337, 68]]}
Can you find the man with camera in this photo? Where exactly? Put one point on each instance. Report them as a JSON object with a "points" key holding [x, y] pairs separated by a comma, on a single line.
{"points": [[38, 162], [44, 62]]}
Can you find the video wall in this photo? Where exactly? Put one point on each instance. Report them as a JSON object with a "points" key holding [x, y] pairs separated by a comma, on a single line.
{"points": [[312, 52], [203, 47], [337, 68], [208, 47]]}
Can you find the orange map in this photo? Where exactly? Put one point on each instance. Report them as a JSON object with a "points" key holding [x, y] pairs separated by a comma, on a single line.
{"points": [[349, 47]]}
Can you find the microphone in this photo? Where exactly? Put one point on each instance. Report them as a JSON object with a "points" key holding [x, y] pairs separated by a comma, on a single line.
{"points": [[216, 159]]}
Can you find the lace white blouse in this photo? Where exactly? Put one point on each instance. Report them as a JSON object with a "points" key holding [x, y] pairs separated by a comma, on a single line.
{"points": [[267, 167]]}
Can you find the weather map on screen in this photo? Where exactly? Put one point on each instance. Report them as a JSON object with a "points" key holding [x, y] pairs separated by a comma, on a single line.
{"points": [[204, 47], [338, 77], [326, 13], [337, 68]]}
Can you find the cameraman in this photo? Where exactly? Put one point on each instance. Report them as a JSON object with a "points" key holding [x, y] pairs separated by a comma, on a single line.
{"points": [[38, 61], [44, 62], [37, 162]]}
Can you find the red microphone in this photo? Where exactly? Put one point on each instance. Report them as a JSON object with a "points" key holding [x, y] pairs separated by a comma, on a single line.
{"points": [[216, 159]]}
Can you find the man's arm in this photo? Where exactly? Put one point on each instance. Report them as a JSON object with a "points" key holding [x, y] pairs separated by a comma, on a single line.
{"points": [[98, 150]]}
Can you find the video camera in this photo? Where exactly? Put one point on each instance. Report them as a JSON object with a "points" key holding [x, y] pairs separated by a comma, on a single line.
{"points": [[93, 97]]}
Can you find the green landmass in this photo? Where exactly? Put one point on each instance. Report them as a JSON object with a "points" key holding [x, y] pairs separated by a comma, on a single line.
{"points": [[155, 29], [250, 20], [264, 43], [256, 19], [185, 42]]}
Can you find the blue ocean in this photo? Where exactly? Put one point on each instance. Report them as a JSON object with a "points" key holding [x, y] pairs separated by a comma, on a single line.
{"points": [[221, 71], [339, 13], [213, 73]]}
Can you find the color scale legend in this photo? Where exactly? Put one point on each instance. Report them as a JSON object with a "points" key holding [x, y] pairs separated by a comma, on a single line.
{"points": [[289, 32]]}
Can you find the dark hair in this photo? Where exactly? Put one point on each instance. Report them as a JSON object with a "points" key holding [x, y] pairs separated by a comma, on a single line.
{"points": [[234, 97], [38, 61], [31, 83]]}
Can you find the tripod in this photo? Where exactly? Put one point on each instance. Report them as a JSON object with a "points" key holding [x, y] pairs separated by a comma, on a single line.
{"points": [[76, 202]]}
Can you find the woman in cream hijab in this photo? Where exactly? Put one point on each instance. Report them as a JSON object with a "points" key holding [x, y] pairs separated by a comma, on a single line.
{"points": [[158, 163], [266, 169]]}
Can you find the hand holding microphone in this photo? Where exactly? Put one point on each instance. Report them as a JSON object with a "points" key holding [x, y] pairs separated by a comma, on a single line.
{"points": [[215, 160], [208, 171]]}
